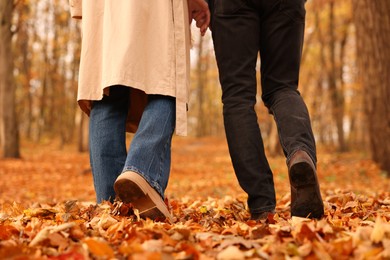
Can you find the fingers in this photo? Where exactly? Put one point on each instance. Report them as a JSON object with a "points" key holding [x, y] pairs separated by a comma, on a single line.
{"points": [[200, 12], [197, 15], [202, 21]]}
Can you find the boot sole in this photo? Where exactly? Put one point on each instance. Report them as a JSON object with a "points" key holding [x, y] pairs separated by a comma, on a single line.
{"points": [[305, 189], [133, 188]]}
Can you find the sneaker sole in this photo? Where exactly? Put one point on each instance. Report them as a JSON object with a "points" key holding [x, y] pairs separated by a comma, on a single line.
{"points": [[133, 188]]}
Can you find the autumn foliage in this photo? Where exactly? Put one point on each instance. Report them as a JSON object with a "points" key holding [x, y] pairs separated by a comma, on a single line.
{"points": [[47, 211]]}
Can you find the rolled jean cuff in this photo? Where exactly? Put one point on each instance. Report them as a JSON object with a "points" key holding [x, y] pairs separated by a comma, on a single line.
{"points": [[155, 185]]}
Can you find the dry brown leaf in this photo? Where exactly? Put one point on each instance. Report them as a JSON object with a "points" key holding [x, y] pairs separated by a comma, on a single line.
{"points": [[343, 247], [76, 233], [260, 232], [44, 233], [385, 201], [248, 244], [304, 233], [350, 205], [320, 251], [59, 241]]}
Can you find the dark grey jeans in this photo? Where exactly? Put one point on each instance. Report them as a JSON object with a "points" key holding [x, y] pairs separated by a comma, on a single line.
{"points": [[242, 29]]}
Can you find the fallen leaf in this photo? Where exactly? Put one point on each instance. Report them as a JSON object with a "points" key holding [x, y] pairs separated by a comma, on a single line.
{"points": [[7, 231], [305, 233], [40, 213], [386, 252], [386, 201], [305, 249], [59, 241], [74, 255], [260, 232], [239, 241], [343, 246], [44, 233], [99, 248], [231, 253], [350, 205], [152, 245], [379, 231], [203, 209], [188, 251], [127, 249]]}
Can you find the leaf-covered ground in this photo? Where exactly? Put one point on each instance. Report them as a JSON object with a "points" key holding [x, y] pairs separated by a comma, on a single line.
{"points": [[47, 211]]}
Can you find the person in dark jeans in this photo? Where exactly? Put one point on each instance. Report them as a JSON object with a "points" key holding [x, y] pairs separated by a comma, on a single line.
{"points": [[241, 29]]}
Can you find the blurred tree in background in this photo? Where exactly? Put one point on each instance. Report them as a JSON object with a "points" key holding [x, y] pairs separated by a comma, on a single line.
{"points": [[9, 134], [344, 77], [372, 19]]}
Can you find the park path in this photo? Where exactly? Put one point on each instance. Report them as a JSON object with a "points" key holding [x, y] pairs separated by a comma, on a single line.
{"points": [[47, 209]]}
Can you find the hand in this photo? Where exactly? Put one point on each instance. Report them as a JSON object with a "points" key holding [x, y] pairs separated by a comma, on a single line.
{"points": [[199, 11]]}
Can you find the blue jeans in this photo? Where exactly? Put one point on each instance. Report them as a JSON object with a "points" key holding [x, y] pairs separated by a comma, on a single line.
{"points": [[275, 29], [150, 149]]}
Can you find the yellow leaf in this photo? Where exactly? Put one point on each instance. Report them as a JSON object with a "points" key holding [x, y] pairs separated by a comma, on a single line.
{"points": [[372, 253], [99, 248], [203, 209], [378, 232], [40, 213]]}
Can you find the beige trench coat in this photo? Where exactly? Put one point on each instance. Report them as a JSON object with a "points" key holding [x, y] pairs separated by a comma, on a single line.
{"points": [[143, 44]]}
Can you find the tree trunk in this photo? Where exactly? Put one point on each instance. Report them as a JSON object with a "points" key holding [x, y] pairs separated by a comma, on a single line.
{"points": [[26, 66], [319, 105], [201, 80], [9, 134], [82, 126], [336, 95], [274, 146], [372, 20]]}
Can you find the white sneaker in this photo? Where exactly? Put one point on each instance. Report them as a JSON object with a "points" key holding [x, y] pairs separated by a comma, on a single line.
{"points": [[133, 188]]}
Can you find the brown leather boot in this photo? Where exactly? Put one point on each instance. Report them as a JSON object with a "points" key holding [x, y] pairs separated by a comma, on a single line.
{"points": [[306, 198]]}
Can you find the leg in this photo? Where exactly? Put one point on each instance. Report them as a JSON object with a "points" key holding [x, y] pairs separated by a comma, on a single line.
{"points": [[281, 43], [146, 172], [284, 23], [107, 140], [236, 30], [150, 150]]}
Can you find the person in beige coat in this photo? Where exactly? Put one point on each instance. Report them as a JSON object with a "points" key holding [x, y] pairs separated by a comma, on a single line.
{"points": [[134, 76]]}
